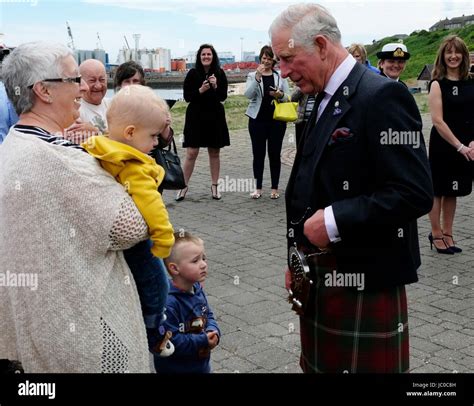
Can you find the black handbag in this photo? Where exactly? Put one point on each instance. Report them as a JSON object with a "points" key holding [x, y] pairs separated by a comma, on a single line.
{"points": [[169, 160]]}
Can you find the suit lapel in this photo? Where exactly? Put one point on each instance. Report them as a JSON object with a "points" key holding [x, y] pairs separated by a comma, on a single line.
{"points": [[317, 137], [335, 110], [327, 123]]}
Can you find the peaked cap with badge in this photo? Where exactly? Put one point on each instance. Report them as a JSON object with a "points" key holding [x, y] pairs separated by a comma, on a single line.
{"points": [[394, 50]]}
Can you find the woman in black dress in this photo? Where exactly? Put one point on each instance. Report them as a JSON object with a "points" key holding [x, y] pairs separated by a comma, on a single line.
{"points": [[205, 88], [451, 102]]}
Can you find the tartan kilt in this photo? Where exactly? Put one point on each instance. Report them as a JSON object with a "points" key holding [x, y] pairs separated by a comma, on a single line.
{"points": [[348, 331]]}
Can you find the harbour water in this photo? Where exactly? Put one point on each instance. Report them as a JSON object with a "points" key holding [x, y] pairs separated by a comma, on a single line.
{"points": [[177, 93], [171, 94]]}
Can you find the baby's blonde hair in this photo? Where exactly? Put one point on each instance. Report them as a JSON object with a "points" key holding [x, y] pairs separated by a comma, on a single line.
{"points": [[136, 105]]}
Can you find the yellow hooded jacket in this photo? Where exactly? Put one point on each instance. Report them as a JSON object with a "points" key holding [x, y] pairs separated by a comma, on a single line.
{"points": [[141, 177]]}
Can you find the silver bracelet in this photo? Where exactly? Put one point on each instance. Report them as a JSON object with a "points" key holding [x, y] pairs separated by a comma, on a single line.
{"points": [[460, 148]]}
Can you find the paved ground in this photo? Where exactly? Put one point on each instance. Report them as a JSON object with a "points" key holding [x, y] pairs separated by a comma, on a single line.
{"points": [[245, 243]]}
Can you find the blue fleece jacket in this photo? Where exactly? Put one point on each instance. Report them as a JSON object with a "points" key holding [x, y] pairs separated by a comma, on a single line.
{"points": [[189, 317]]}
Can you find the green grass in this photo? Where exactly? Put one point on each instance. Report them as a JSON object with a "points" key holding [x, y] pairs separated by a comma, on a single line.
{"points": [[423, 46], [177, 114], [235, 107], [422, 102]]}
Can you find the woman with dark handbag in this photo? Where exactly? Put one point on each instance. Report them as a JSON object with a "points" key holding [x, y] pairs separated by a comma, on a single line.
{"points": [[205, 88]]}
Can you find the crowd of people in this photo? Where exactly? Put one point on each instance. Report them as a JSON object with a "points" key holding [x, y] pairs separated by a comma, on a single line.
{"points": [[108, 256]]}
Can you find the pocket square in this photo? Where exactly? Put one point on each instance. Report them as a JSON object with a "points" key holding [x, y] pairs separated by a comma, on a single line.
{"points": [[340, 134]]}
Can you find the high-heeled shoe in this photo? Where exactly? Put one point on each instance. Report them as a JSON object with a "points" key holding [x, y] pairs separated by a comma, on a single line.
{"points": [[452, 247], [181, 194], [217, 195], [446, 250]]}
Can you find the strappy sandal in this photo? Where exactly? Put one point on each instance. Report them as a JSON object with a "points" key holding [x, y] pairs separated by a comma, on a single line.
{"points": [[255, 195], [452, 247], [446, 250], [274, 195]]}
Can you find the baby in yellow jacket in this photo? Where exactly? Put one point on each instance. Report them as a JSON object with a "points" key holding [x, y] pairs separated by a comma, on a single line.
{"points": [[136, 117]]}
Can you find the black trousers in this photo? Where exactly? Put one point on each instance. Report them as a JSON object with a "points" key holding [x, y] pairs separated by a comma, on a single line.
{"points": [[266, 134]]}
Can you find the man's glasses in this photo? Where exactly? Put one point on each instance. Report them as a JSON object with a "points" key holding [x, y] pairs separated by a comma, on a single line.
{"points": [[77, 79]]}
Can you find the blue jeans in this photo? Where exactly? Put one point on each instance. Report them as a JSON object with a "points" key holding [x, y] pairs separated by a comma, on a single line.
{"points": [[151, 278]]}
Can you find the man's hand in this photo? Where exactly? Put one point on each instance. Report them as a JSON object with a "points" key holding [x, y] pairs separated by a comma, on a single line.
{"points": [[80, 132], [212, 339], [315, 230]]}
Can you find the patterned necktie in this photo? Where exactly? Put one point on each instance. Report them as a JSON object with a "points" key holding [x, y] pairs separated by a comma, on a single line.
{"points": [[312, 120]]}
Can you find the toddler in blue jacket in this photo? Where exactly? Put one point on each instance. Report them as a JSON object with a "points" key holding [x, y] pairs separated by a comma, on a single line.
{"points": [[188, 314]]}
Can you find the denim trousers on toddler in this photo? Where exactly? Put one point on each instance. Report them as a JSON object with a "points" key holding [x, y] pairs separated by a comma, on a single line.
{"points": [[151, 278]]}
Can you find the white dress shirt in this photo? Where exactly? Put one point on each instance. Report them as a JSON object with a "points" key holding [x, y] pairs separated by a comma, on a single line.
{"points": [[336, 80]]}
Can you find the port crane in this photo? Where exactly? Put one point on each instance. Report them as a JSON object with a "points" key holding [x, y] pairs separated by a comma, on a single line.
{"points": [[126, 42], [99, 42], [69, 32]]}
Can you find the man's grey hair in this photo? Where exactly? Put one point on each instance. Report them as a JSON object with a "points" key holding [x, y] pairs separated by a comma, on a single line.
{"points": [[306, 20], [28, 64]]}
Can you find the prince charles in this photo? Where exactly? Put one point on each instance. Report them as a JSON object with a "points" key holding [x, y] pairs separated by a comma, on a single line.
{"points": [[352, 200]]}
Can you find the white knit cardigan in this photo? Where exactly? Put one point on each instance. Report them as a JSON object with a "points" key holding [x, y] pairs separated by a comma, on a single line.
{"points": [[65, 219]]}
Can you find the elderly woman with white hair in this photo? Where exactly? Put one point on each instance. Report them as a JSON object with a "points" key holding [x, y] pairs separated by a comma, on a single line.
{"points": [[64, 222]]}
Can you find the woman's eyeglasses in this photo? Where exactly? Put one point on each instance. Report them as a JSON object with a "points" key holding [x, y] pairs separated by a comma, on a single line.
{"points": [[77, 79]]}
